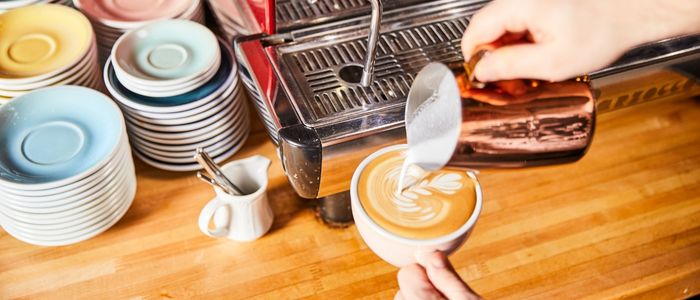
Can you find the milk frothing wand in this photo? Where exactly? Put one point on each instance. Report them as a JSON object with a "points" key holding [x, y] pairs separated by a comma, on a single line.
{"points": [[372, 39]]}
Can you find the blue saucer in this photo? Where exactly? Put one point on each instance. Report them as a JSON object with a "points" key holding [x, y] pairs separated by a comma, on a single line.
{"points": [[209, 87], [56, 133]]}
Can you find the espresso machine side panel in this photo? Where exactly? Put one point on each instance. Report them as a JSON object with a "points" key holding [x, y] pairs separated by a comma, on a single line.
{"points": [[674, 79]]}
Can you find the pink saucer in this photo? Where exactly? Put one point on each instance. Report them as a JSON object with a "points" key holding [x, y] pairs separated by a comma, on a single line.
{"points": [[133, 10]]}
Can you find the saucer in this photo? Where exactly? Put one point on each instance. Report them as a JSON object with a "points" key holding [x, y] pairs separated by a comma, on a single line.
{"points": [[218, 113], [187, 137], [132, 10], [189, 152], [57, 134], [222, 79], [31, 48], [90, 204], [83, 66], [57, 196], [172, 90], [191, 166], [51, 192], [83, 234], [109, 25], [176, 147], [195, 115], [212, 151], [166, 52]]}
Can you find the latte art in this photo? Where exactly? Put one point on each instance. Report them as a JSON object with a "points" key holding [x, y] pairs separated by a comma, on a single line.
{"points": [[435, 204]]}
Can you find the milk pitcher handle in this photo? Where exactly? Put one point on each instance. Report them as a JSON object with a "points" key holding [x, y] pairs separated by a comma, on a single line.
{"points": [[207, 214]]}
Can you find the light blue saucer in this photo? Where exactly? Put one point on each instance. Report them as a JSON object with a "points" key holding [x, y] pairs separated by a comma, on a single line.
{"points": [[209, 87], [56, 133], [173, 49]]}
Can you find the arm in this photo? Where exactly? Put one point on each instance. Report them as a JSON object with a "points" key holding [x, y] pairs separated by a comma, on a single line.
{"points": [[572, 37]]}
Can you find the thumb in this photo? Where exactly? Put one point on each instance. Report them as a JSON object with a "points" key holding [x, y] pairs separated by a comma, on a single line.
{"points": [[446, 280], [532, 61]]}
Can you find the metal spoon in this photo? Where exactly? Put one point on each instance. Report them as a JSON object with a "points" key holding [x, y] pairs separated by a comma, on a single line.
{"points": [[215, 172], [209, 180]]}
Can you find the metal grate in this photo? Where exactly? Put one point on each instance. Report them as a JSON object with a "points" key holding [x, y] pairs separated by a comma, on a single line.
{"points": [[400, 55], [295, 13]]}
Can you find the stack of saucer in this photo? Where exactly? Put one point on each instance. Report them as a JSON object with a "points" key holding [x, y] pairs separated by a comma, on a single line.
{"points": [[35, 53], [12, 4], [230, 18], [66, 172], [166, 58], [165, 131], [112, 18]]}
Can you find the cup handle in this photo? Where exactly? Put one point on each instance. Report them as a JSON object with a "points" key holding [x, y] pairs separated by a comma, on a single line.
{"points": [[207, 214]]}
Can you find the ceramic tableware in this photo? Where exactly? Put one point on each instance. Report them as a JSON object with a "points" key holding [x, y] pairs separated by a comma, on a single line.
{"points": [[112, 18], [36, 53], [6, 5], [230, 18], [166, 58], [166, 130], [34, 46], [245, 217], [67, 173], [398, 250]]}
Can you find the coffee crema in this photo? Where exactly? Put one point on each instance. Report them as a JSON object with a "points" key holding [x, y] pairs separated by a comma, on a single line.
{"points": [[436, 203]]}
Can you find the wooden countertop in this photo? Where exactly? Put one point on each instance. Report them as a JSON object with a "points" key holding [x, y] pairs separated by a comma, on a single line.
{"points": [[622, 222]]}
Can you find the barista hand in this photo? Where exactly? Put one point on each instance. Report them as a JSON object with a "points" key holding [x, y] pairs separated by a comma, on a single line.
{"points": [[437, 279], [571, 37]]}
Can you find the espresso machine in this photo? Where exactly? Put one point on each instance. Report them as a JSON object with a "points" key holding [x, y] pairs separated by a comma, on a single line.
{"points": [[303, 63]]}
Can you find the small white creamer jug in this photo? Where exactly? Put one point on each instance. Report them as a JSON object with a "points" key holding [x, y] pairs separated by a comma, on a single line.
{"points": [[240, 217]]}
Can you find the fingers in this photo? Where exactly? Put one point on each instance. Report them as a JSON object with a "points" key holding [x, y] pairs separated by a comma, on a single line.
{"points": [[490, 23], [414, 284], [533, 61], [445, 279]]}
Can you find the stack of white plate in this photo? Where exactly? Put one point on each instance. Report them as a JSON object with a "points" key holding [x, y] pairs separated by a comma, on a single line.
{"points": [[230, 18], [6, 5], [36, 53], [165, 131], [66, 172], [112, 18]]}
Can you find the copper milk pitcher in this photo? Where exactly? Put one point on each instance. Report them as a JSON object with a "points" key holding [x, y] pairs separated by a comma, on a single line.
{"points": [[511, 123]]}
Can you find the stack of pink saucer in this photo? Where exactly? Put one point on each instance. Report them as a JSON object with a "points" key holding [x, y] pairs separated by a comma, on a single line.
{"points": [[111, 19], [230, 18]]}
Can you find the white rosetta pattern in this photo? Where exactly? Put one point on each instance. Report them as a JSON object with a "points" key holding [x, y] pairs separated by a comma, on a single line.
{"points": [[407, 203]]}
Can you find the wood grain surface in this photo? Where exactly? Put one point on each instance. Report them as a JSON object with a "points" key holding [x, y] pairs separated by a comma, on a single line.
{"points": [[622, 222]]}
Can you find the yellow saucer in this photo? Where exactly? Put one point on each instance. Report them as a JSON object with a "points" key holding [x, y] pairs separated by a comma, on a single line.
{"points": [[40, 39]]}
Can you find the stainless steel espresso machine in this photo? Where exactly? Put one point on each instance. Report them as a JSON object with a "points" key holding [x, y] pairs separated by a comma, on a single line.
{"points": [[302, 64]]}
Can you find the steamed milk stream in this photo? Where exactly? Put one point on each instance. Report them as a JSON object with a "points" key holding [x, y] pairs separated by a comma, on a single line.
{"points": [[437, 204], [432, 130]]}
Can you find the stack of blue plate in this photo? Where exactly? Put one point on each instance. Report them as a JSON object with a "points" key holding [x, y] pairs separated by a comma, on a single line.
{"points": [[66, 172], [166, 131]]}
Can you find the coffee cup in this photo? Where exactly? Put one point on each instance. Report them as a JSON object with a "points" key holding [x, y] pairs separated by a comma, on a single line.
{"points": [[240, 217], [401, 249]]}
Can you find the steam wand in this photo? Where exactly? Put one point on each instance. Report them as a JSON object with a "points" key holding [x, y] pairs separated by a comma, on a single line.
{"points": [[376, 21]]}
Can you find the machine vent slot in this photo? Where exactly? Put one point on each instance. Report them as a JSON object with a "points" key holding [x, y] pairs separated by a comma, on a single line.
{"points": [[400, 55]]}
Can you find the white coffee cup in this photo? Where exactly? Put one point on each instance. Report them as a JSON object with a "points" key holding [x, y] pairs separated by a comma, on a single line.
{"points": [[401, 251], [245, 217]]}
